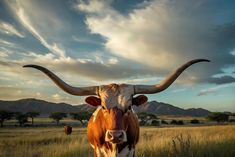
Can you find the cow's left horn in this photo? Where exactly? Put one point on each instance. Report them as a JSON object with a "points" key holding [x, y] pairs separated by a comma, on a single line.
{"points": [[79, 91], [151, 89]]}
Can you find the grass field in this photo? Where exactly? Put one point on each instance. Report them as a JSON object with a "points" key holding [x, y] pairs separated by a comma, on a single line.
{"points": [[206, 141]]}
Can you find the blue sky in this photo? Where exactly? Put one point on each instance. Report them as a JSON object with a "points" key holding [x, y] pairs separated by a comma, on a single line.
{"points": [[117, 41]]}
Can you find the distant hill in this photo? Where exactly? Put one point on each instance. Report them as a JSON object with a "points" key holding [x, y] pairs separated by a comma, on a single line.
{"points": [[161, 108], [46, 108]]}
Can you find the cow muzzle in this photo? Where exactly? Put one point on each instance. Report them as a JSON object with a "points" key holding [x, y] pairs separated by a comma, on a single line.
{"points": [[115, 136]]}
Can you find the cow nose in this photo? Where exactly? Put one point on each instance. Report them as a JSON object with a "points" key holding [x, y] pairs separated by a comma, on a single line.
{"points": [[115, 136]]}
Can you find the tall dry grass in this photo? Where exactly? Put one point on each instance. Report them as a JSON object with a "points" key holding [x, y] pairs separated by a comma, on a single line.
{"points": [[211, 141]]}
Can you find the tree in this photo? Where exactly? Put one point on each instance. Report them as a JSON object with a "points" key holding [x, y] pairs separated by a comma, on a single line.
{"points": [[145, 117], [5, 115], [218, 117], [32, 115], [142, 115], [80, 116], [57, 116], [21, 118]]}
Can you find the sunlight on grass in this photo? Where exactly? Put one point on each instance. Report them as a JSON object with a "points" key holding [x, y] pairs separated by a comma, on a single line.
{"points": [[207, 141]]}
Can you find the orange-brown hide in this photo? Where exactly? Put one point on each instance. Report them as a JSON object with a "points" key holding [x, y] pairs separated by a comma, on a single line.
{"points": [[67, 130], [114, 120]]}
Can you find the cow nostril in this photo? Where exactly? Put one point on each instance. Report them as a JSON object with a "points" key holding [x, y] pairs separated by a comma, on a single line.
{"points": [[110, 135], [119, 135]]}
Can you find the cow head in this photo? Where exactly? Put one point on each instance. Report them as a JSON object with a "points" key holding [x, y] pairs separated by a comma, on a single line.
{"points": [[116, 100]]}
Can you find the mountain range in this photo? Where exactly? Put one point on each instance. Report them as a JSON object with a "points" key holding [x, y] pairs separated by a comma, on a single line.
{"points": [[45, 108]]}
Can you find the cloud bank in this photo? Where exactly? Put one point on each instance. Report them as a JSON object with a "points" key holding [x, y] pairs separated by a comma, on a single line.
{"points": [[164, 34]]}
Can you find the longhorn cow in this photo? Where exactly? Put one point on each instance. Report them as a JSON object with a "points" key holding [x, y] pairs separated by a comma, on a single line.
{"points": [[113, 129]]}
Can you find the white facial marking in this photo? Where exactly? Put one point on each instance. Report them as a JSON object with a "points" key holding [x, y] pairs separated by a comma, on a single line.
{"points": [[105, 152], [125, 137], [126, 152], [98, 152], [115, 95], [134, 113], [131, 153], [96, 112]]}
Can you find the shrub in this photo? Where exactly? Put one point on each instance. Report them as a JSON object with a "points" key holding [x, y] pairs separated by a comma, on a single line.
{"points": [[232, 120], [194, 121], [164, 122], [180, 122], [142, 123], [175, 122], [156, 122], [5, 115], [218, 116]]}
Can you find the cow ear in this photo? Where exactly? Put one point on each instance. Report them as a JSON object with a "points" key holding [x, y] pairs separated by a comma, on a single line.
{"points": [[94, 101], [139, 100]]}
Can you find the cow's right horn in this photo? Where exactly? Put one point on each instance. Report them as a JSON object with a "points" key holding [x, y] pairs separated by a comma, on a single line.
{"points": [[79, 91], [151, 89]]}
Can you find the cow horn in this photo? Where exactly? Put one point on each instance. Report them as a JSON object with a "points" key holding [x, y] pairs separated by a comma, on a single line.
{"points": [[79, 91], [164, 84]]}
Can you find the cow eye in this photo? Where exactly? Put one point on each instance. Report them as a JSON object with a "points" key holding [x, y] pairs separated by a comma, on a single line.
{"points": [[103, 108], [128, 109]]}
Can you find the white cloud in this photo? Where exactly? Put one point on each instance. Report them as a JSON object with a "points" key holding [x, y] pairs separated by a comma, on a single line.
{"points": [[76, 72], [207, 92], [57, 97], [93, 6], [135, 36], [3, 54], [163, 34], [85, 40], [233, 52], [9, 29], [215, 89], [38, 95], [29, 16], [179, 90], [113, 61], [26, 22], [6, 43]]}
